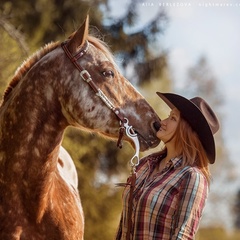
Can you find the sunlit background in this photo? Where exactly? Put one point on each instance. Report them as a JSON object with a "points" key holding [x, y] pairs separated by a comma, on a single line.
{"points": [[198, 51]]}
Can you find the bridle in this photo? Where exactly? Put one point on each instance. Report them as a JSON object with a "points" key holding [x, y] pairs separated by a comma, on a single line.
{"points": [[86, 76]]}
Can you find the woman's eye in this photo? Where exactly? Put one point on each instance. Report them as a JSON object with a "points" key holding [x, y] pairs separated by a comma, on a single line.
{"points": [[172, 118], [108, 73]]}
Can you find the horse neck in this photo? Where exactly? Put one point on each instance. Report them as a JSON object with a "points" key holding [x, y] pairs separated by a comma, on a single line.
{"points": [[32, 127]]}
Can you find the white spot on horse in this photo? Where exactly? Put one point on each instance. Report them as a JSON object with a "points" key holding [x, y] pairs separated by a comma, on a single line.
{"points": [[2, 155], [29, 137], [13, 187], [21, 152], [29, 88], [36, 151], [49, 128], [25, 183], [49, 93], [17, 167]]}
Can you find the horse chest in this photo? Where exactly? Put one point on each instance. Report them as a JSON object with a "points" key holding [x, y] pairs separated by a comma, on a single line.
{"points": [[19, 220]]}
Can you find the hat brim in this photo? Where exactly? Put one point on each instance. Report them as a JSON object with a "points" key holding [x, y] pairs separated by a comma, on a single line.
{"points": [[193, 115]]}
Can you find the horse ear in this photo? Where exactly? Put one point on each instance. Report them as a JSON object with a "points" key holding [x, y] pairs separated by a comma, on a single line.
{"points": [[79, 37]]}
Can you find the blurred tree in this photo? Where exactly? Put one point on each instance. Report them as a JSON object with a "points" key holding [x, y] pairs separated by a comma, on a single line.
{"points": [[219, 233], [135, 47], [11, 57], [42, 21], [236, 210], [99, 162], [202, 82]]}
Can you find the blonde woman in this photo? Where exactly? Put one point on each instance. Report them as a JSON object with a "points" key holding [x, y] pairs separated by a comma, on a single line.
{"points": [[172, 185]]}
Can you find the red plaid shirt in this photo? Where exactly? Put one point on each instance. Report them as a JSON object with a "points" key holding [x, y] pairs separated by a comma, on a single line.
{"points": [[168, 206]]}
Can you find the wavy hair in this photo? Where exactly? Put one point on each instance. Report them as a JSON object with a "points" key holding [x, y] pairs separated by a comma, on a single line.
{"points": [[193, 153]]}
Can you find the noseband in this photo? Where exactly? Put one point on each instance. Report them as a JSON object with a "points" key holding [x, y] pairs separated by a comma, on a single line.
{"points": [[86, 76]]}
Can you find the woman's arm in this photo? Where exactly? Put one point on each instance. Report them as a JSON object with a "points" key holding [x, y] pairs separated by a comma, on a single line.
{"points": [[192, 198]]}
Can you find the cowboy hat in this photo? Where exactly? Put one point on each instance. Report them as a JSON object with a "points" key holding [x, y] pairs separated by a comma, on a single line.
{"points": [[199, 116]]}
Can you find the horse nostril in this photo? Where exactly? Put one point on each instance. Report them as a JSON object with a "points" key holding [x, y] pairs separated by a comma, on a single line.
{"points": [[156, 126]]}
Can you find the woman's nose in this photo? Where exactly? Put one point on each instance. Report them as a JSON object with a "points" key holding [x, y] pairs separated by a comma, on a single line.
{"points": [[163, 122]]}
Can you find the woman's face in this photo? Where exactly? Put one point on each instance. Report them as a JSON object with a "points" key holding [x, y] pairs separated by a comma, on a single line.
{"points": [[169, 126]]}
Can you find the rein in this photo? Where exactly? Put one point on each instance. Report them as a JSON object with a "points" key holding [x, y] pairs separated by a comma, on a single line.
{"points": [[86, 76]]}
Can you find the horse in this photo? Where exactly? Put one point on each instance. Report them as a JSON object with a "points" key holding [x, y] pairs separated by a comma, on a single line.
{"points": [[72, 83]]}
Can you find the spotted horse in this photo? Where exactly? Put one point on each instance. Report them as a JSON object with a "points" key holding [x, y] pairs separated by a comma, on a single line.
{"points": [[73, 83]]}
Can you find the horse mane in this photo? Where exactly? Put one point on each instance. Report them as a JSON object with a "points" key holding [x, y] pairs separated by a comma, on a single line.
{"points": [[33, 59], [27, 65], [101, 45]]}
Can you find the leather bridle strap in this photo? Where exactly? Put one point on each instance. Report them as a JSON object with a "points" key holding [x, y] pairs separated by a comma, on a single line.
{"points": [[130, 205], [86, 76]]}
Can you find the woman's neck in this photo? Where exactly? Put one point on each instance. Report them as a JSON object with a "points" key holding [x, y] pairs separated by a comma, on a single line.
{"points": [[171, 152]]}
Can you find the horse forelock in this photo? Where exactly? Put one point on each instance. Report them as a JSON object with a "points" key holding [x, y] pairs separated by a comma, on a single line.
{"points": [[103, 47], [27, 65]]}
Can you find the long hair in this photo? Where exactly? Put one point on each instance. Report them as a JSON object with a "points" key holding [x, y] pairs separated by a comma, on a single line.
{"points": [[193, 153]]}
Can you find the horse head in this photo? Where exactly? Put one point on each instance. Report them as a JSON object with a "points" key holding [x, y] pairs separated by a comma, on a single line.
{"points": [[81, 103]]}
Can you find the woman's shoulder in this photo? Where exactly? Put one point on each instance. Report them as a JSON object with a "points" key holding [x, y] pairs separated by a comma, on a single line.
{"points": [[193, 174]]}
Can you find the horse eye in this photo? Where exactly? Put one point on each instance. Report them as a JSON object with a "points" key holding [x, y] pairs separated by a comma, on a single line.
{"points": [[108, 73]]}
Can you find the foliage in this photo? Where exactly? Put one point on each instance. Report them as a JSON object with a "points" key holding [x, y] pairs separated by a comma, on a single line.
{"points": [[42, 21], [217, 233], [201, 81], [236, 210], [9, 59], [134, 48]]}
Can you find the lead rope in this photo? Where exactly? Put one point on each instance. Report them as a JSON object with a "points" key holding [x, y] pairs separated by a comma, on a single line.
{"points": [[133, 163], [130, 205]]}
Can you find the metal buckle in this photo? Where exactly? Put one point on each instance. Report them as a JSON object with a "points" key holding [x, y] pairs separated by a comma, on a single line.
{"points": [[131, 134], [87, 78]]}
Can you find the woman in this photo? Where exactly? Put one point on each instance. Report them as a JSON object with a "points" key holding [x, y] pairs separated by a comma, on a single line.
{"points": [[172, 185]]}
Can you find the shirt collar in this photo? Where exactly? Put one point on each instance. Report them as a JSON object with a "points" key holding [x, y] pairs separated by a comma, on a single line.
{"points": [[176, 162], [173, 163]]}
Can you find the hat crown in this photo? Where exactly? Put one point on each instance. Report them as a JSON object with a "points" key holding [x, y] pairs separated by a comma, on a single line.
{"points": [[207, 112]]}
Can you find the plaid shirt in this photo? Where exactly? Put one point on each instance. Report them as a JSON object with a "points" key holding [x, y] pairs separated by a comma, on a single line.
{"points": [[167, 206]]}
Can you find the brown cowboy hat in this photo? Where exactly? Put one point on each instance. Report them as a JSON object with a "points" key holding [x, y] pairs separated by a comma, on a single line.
{"points": [[200, 117]]}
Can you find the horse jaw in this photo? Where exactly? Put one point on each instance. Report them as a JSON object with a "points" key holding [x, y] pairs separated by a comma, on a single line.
{"points": [[79, 37]]}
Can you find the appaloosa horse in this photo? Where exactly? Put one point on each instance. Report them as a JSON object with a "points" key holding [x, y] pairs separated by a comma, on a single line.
{"points": [[55, 88]]}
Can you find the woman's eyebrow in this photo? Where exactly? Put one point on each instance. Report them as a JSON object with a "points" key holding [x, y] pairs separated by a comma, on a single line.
{"points": [[174, 113]]}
